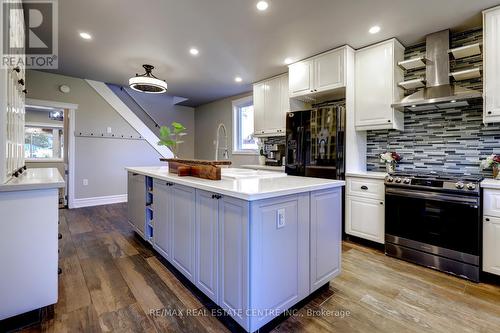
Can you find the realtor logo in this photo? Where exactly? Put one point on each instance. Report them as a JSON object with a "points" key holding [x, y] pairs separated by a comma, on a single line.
{"points": [[30, 34]]}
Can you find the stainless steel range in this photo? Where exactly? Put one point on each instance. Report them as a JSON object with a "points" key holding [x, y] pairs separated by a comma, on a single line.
{"points": [[434, 220]]}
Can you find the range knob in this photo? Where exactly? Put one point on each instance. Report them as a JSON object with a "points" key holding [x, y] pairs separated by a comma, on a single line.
{"points": [[398, 180], [459, 185], [471, 186], [390, 179], [407, 181]]}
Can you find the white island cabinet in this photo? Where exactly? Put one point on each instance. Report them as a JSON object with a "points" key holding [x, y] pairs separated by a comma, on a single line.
{"points": [[254, 246]]}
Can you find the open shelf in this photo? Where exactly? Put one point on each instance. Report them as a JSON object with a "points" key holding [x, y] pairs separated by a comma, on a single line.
{"points": [[466, 51], [467, 74], [413, 63], [412, 84]]}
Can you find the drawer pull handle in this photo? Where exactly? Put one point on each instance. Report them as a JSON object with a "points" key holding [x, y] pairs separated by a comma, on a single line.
{"points": [[487, 219], [364, 187], [381, 203]]}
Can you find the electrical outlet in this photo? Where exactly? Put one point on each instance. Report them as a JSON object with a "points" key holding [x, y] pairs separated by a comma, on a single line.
{"points": [[280, 221], [85, 182]]}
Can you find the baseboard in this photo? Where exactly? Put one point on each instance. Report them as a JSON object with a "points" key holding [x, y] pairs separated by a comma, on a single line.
{"points": [[98, 201]]}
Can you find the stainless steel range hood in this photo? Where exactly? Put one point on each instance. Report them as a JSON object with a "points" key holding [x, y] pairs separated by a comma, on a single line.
{"points": [[438, 92]]}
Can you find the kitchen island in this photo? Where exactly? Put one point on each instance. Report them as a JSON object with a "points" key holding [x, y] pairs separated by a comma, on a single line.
{"points": [[255, 242]]}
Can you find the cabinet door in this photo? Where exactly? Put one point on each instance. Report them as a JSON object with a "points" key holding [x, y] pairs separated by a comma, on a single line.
{"points": [[162, 217], [207, 222], [365, 218], [183, 227], [329, 71], [300, 78], [259, 107], [491, 245], [273, 115], [279, 234], [491, 50], [491, 203], [285, 101], [136, 205], [234, 258], [326, 234], [374, 86]]}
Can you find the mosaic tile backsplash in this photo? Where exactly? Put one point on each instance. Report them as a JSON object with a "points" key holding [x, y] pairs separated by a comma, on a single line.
{"points": [[453, 140]]}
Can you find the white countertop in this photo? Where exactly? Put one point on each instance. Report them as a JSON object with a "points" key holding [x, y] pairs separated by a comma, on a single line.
{"points": [[264, 167], [34, 179], [252, 188], [367, 174], [490, 183]]}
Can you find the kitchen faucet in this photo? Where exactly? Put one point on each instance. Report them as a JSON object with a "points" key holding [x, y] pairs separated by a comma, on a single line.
{"points": [[225, 154]]}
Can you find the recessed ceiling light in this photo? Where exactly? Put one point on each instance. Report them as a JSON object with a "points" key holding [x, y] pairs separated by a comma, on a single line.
{"points": [[262, 5], [238, 79], [288, 61], [194, 51], [375, 29], [85, 35]]}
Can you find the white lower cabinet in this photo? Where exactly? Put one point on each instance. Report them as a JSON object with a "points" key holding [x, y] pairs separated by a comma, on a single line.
{"points": [[162, 191], [183, 208], [365, 209], [491, 245], [137, 202]]}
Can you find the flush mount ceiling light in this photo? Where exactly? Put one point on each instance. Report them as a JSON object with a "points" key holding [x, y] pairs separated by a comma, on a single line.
{"points": [[262, 5], [238, 79], [147, 82], [194, 51], [375, 29], [85, 35]]}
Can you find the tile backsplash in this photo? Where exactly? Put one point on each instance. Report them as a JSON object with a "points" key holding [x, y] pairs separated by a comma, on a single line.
{"points": [[452, 140]]}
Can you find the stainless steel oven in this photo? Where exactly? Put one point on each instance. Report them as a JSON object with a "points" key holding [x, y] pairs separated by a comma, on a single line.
{"points": [[435, 222]]}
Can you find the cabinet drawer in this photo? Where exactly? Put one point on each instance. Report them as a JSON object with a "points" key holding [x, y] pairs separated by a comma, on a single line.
{"points": [[368, 188], [491, 203]]}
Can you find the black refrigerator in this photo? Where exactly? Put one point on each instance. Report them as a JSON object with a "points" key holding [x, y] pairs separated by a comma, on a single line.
{"points": [[315, 142]]}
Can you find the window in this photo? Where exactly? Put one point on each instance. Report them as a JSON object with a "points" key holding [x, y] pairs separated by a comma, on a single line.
{"points": [[43, 143], [243, 141]]}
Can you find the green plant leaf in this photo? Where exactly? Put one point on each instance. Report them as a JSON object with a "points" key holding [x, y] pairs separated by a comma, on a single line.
{"points": [[164, 131]]}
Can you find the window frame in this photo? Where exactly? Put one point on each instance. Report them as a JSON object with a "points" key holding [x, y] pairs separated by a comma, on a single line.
{"points": [[44, 126], [237, 105]]}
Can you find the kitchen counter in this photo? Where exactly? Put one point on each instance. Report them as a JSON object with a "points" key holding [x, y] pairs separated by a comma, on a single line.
{"points": [[35, 179], [367, 174], [491, 183], [264, 167], [246, 188]]}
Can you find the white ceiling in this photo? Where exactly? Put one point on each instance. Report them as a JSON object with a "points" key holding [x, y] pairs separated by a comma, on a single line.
{"points": [[233, 37]]}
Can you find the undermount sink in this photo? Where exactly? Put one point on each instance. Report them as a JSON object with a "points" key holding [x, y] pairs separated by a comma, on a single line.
{"points": [[237, 173]]}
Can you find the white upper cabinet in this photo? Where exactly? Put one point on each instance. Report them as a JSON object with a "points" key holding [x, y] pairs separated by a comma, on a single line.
{"points": [[376, 79], [491, 65], [321, 73], [271, 103]]}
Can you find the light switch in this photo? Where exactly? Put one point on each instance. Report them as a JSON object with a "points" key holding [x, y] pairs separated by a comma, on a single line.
{"points": [[109, 130], [85, 182], [280, 221]]}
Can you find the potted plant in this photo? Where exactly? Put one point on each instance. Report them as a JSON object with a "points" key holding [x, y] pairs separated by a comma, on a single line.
{"points": [[172, 137], [493, 162], [390, 159]]}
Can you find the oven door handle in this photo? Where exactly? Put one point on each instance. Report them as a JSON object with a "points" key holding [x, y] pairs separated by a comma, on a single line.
{"points": [[474, 202]]}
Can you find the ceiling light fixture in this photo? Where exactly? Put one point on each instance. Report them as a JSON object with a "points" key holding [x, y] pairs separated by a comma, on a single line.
{"points": [[194, 51], [238, 79], [262, 5], [375, 29], [288, 61], [85, 35], [147, 82]]}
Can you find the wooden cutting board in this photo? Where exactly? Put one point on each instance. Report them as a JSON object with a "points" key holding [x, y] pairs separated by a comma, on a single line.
{"points": [[195, 168]]}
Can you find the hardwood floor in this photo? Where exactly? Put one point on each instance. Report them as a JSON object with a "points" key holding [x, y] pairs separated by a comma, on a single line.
{"points": [[112, 281]]}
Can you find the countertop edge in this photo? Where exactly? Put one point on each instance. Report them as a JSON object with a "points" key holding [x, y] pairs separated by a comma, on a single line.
{"points": [[54, 181], [234, 194], [490, 183]]}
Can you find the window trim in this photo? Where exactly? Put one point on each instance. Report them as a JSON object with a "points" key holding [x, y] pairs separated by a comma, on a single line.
{"points": [[237, 104]]}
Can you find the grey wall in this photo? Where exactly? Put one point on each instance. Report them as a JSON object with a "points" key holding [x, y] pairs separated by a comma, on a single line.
{"points": [[207, 118], [100, 160]]}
